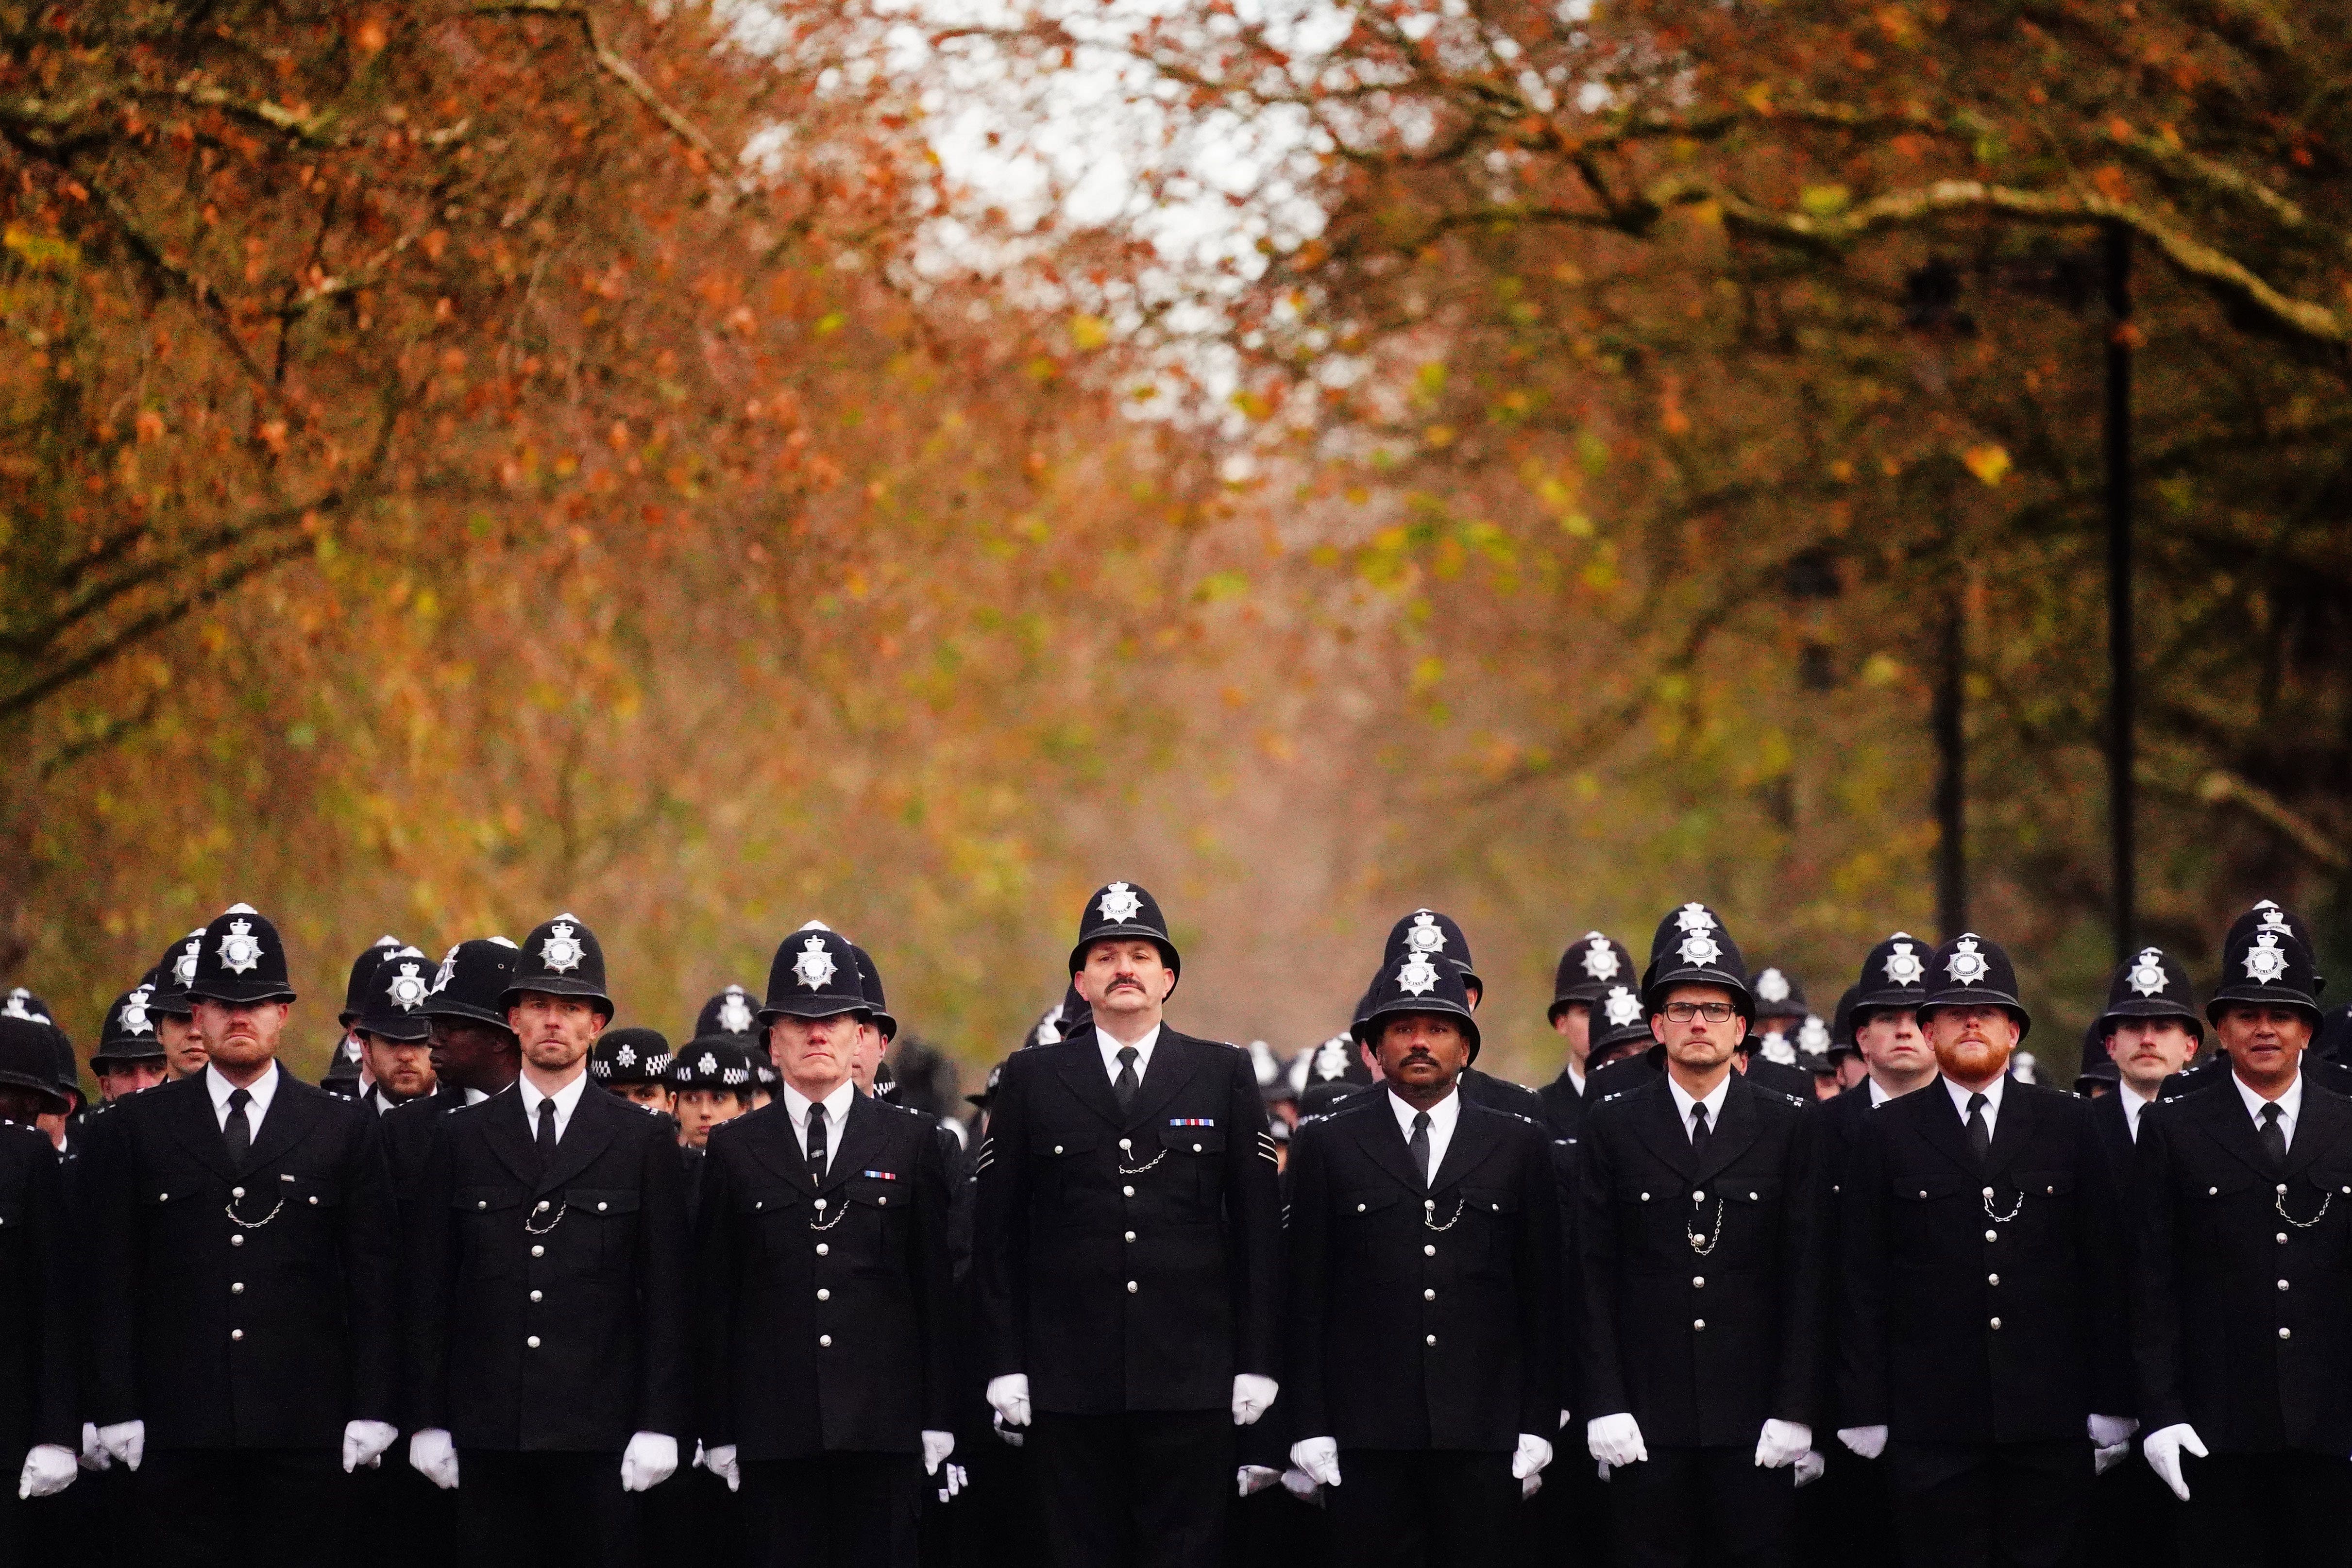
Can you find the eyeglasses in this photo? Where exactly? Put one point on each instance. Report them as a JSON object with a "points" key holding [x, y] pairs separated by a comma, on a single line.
{"points": [[1714, 1012]]}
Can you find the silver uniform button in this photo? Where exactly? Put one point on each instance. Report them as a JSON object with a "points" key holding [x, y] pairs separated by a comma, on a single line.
{"points": [[1057, 1148], [536, 1295], [1429, 1249], [538, 1251], [543, 1206], [236, 1241], [239, 1333], [1428, 1294], [1987, 1192], [1698, 1325], [237, 1287], [532, 1342], [1132, 1287], [1123, 1143], [1992, 1278], [1996, 1322], [1425, 1203], [1698, 1197], [1698, 1281], [1127, 1192], [1992, 1235], [239, 1192], [2286, 1334], [2281, 1189], [314, 1200], [1130, 1236], [1429, 1339], [1360, 1208], [600, 1208], [821, 1249], [2282, 1237], [2282, 1284], [824, 1341], [823, 1294]]}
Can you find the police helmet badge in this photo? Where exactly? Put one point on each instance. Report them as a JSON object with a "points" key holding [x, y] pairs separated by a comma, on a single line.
{"points": [[1599, 959], [735, 1011], [2265, 961], [1967, 966], [19, 1005], [814, 966], [240, 949], [1119, 904], [1772, 986], [1417, 977], [1425, 937], [2148, 972], [1622, 1007], [134, 1012], [1699, 947], [1903, 966], [562, 950], [407, 988], [446, 973]]}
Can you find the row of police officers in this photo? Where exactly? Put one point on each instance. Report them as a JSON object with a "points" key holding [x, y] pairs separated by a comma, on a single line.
{"points": [[1681, 1306]]}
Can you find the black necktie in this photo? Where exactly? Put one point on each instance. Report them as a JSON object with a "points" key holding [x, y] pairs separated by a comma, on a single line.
{"points": [[1979, 1132], [1699, 1131], [546, 1131], [817, 1143], [1125, 1083], [2274, 1134], [1419, 1144], [238, 1129]]}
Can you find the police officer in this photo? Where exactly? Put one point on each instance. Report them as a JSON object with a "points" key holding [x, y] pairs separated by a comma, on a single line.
{"points": [[40, 1426], [825, 1300], [549, 1258], [1127, 1248], [1700, 1238], [393, 1032], [2266, 917], [473, 1052], [130, 1056], [2149, 1031], [2243, 1268], [635, 1063], [1586, 970], [184, 1050], [1437, 936], [348, 1073], [1982, 1264], [1423, 1309], [240, 1226], [709, 1084]]}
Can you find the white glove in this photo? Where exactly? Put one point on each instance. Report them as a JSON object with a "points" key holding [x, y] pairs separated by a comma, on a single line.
{"points": [[1810, 1465], [720, 1462], [1780, 1442], [125, 1441], [1533, 1455], [1009, 1436], [366, 1442], [1563, 1420], [1252, 1480], [952, 1480], [2163, 1450], [1868, 1441], [93, 1457], [937, 1446], [650, 1459], [49, 1469], [1252, 1395], [1615, 1440], [1009, 1396], [2111, 1439], [1319, 1457], [433, 1454], [1298, 1483]]}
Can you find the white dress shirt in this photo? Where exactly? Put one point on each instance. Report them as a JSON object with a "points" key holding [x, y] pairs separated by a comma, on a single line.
{"points": [[1878, 1093], [567, 1099], [836, 1112], [2290, 1104], [1991, 1092], [1714, 1103], [1111, 1048], [1576, 1080], [1441, 1117], [2133, 1103], [263, 1089]]}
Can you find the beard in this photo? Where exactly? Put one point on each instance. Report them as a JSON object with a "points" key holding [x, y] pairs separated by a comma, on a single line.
{"points": [[1972, 1059]]}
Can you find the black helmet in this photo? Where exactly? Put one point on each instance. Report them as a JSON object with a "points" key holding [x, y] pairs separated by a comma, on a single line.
{"points": [[2266, 964], [1121, 910], [355, 988], [716, 1061], [1586, 969], [630, 1056], [560, 957], [1618, 1017], [392, 1003], [1691, 947], [1777, 994], [172, 973], [129, 1033], [2151, 985], [1894, 976], [814, 975], [1973, 971], [241, 960], [472, 981], [869, 984], [29, 1056], [1438, 936], [2268, 915], [1420, 981]]}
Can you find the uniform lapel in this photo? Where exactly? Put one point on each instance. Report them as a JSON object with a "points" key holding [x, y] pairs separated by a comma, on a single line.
{"points": [[507, 1133], [2012, 1130], [1173, 1062], [1941, 1120], [861, 1136], [1659, 1128], [197, 1127], [1473, 1144], [775, 1144], [2318, 1125], [1377, 1135], [294, 1110], [2225, 1121], [593, 1124], [1081, 1068], [1734, 1133]]}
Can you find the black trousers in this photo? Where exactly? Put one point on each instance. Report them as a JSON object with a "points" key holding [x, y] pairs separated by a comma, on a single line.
{"points": [[1682, 1507], [2133, 1519], [1567, 1524], [832, 1511], [1848, 1515], [1424, 1508], [1994, 1505], [2266, 1510], [240, 1508], [544, 1510], [395, 1519], [1140, 1489]]}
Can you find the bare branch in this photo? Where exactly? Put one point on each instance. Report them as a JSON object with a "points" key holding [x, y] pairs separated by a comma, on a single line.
{"points": [[613, 65]]}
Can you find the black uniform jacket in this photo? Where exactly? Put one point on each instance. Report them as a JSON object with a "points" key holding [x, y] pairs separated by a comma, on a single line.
{"points": [[39, 1342], [1128, 1261], [824, 1307], [1422, 1319], [547, 1306], [2244, 1275], [1702, 1311], [246, 1306], [409, 1130], [1979, 1295], [2213, 1072], [1563, 1107], [2109, 1121]]}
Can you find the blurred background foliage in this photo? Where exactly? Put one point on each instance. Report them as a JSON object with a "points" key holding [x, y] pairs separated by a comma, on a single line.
{"points": [[463, 461]]}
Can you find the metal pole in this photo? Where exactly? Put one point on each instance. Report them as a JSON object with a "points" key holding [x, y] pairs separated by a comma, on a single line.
{"points": [[2120, 584]]}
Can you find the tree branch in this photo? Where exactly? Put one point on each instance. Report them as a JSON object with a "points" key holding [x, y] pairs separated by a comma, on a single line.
{"points": [[613, 65]]}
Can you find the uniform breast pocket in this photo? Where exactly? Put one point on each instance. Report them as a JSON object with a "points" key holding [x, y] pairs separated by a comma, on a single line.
{"points": [[1058, 1160], [770, 1217], [1490, 1216], [877, 1219], [2038, 1203], [1751, 1218], [609, 1215], [1199, 1153], [488, 1221]]}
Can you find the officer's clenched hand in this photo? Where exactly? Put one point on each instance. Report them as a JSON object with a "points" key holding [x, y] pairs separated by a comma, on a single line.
{"points": [[1868, 1441], [650, 1459], [1298, 1483], [937, 1446], [1009, 1396], [1615, 1440], [126, 1441], [1780, 1442], [1527, 1464], [1810, 1467], [365, 1443], [1252, 1395], [49, 1469], [433, 1455], [720, 1462], [952, 1480], [93, 1456], [2111, 1439], [1319, 1457], [2163, 1450]]}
